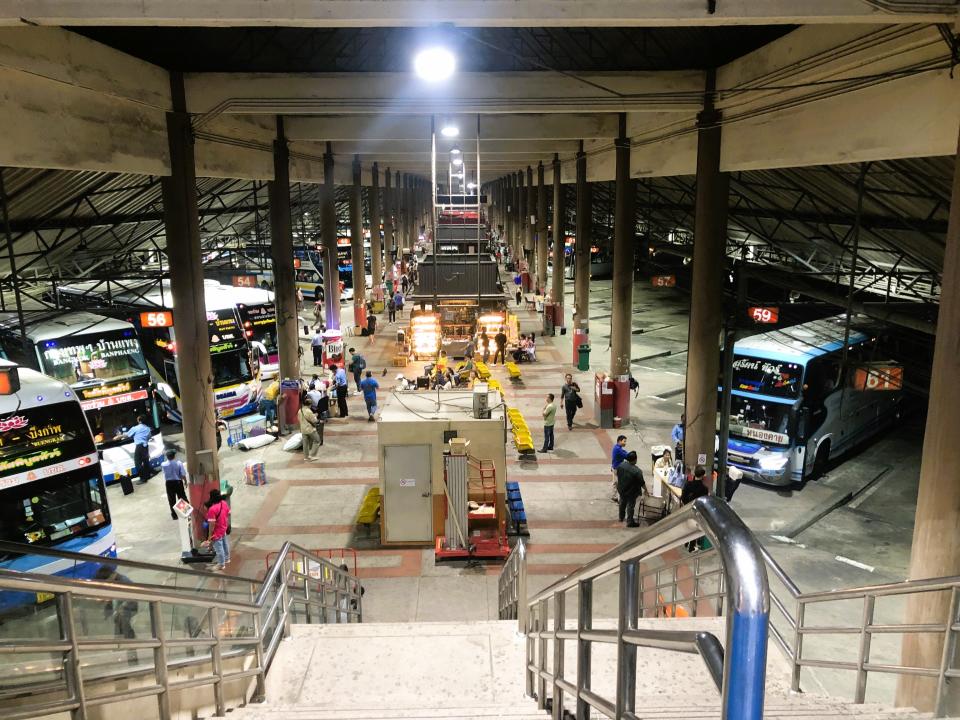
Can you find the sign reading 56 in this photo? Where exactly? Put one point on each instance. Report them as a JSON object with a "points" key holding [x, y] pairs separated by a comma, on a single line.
{"points": [[156, 319]]}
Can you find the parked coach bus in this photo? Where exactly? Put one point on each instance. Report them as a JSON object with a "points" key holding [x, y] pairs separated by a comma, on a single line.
{"points": [[795, 406], [257, 314], [51, 487], [101, 360]]}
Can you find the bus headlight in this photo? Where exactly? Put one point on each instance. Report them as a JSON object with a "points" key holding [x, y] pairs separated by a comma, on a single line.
{"points": [[773, 462]]}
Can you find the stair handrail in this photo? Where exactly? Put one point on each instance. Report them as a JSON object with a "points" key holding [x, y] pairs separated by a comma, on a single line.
{"points": [[747, 600], [512, 586], [864, 629], [294, 569]]}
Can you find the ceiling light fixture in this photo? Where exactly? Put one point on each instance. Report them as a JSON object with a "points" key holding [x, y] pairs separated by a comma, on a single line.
{"points": [[450, 130], [434, 64], [455, 150], [456, 160]]}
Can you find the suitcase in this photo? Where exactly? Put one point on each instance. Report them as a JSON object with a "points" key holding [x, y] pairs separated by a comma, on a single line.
{"points": [[126, 484]]}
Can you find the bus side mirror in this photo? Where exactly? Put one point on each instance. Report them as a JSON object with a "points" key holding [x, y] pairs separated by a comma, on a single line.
{"points": [[803, 422]]}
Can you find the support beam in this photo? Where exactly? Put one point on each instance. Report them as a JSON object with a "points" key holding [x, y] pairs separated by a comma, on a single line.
{"points": [[541, 232], [529, 221], [935, 552], [581, 252], [194, 371], [465, 13], [376, 247], [356, 248], [281, 251], [624, 224], [328, 236], [706, 301], [390, 245], [559, 237]]}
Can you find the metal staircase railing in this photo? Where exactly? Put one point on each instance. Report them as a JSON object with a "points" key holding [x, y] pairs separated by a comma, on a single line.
{"points": [[119, 631], [792, 626], [729, 576]]}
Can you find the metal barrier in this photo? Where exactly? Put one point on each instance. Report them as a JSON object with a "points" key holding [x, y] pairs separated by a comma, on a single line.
{"points": [[737, 583], [512, 587], [65, 642], [797, 627]]}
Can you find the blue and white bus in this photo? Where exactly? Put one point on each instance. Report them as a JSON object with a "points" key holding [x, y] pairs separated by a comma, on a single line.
{"points": [[51, 486], [794, 406], [100, 358]]}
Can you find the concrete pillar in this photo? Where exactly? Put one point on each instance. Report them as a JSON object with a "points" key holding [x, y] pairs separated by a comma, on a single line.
{"points": [[528, 226], [388, 243], [624, 225], [376, 247], [194, 374], [706, 299], [405, 211], [581, 248], [523, 216], [356, 247], [281, 251], [935, 551], [328, 236], [542, 245], [559, 237]]}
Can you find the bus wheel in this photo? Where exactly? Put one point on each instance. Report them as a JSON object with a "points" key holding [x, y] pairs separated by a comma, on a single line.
{"points": [[820, 462]]}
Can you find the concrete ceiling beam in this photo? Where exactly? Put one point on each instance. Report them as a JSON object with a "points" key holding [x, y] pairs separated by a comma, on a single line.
{"points": [[483, 13], [213, 94], [540, 126]]}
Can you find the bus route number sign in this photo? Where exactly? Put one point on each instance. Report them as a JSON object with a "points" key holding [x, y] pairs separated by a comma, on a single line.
{"points": [[764, 314], [664, 281], [156, 319]]}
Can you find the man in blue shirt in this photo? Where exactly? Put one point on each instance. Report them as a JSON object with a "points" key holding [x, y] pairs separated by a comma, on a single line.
{"points": [[174, 475], [618, 456], [677, 436], [369, 385], [340, 380], [140, 434]]}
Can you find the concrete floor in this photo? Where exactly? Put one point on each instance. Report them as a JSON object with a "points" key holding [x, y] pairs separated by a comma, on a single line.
{"points": [[566, 494]]}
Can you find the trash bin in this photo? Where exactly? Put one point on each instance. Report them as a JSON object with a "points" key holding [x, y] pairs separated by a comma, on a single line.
{"points": [[583, 357]]}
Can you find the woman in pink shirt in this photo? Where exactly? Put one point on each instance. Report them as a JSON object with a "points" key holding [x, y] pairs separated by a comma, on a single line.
{"points": [[218, 520]]}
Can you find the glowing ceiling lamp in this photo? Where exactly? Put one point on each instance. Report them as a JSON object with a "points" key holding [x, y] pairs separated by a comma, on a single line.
{"points": [[456, 160], [434, 64], [450, 130]]}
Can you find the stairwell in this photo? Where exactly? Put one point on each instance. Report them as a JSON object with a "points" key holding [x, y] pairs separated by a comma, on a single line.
{"points": [[475, 670]]}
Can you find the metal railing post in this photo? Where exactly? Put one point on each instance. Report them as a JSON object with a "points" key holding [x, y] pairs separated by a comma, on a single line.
{"points": [[863, 654], [559, 611], [216, 660], [542, 621], [260, 691], [72, 671], [531, 652], [160, 661], [949, 649], [584, 623], [522, 607], [627, 653], [797, 646], [285, 574]]}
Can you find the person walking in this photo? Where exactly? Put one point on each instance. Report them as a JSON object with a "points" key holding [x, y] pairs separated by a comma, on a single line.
{"points": [[398, 302], [470, 350], [570, 398], [485, 345], [404, 283], [676, 435], [549, 418], [357, 365], [630, 486], [692, 489], [218, 521], [120, 611], [370, 387], [316, 344], [340, 382], [318, 312], [618, 455], [519, 295], [371, 327], [140, 434], [500, 340], [391, 310], [174, 476], [310, 428]]}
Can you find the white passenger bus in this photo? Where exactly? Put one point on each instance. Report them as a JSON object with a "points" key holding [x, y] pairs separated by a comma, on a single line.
{"points": [[101, 360], [257, 314], [51, 487], [795, 407]]}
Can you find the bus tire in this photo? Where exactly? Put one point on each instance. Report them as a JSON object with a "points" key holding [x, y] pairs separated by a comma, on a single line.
{"points": [[821, 460]]}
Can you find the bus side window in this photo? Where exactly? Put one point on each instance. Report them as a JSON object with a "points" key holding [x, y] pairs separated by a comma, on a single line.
{"points": [[170, 374]]}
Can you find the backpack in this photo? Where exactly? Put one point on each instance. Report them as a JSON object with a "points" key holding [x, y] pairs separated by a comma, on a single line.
{"points": [[359, 363], [634, 385]]}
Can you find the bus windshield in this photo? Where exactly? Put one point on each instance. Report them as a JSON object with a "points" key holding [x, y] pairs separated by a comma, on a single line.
{"points": [[41, 436], [107, 422], [755, 419], [767, 377], [230, 368], [45, 511], [83, 360]]}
